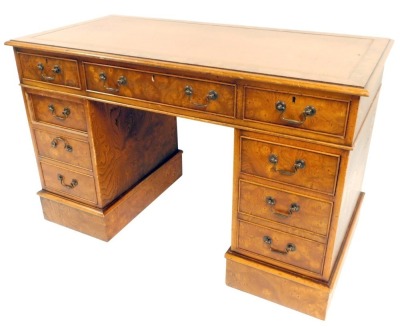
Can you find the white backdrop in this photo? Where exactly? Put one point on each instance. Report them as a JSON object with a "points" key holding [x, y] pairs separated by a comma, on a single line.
{"points": [[167, 267]]}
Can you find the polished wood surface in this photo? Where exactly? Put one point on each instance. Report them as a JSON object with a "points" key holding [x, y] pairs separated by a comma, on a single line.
{"points": [[106, 223], [330, 115], [319, 172], [60, 179], [102, 99], [40, 102], [346, 60], [282, 287], [162, 88], [63, 148], [127, 145], [255, 203], [51, 69], [306, 254]]}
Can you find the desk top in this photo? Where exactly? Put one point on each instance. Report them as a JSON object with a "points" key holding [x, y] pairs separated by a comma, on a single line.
{"points": [[327, 58]]}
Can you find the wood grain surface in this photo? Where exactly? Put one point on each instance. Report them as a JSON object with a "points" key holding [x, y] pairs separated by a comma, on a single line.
{"points": [[346, 60], [127, 144], [124, 80]]}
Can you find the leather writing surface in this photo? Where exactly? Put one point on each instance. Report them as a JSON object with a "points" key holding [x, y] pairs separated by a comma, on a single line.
{"points": [[345, 60]]}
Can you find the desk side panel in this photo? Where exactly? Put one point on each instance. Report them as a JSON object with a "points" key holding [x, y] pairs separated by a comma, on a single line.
{"points": [[128, 144]]}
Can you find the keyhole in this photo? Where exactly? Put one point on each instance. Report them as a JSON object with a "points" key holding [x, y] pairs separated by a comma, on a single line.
{"points": [[293, 100]]}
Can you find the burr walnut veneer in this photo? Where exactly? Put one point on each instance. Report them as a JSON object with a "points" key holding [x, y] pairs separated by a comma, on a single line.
{"points": [[102, 99]]}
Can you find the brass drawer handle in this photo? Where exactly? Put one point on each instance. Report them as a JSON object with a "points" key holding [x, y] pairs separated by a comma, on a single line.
{"points": [[212, 95], [294, 207], [280, 106], [67, 147], [72, 185], [65, 113], [290, 247], [298, 164], [56, 70], [121, 81]]}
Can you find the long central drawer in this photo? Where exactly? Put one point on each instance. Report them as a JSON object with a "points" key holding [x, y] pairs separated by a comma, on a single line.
{"points": [[195, 94]]}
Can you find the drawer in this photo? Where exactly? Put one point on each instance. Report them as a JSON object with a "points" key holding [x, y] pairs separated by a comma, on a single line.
{"points": [[71, 183], [52, 70], [327, 116], [211, 97], [285, 208], [282, 247], [296, 166], [64, 149], [62, 111]]}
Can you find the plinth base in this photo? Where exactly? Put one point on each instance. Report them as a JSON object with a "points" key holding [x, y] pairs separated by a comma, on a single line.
{"points": [[106, 223], [286, 288]]}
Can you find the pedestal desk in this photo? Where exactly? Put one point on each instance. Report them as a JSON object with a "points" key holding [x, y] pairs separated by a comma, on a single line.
{"points": [[102, 99]]}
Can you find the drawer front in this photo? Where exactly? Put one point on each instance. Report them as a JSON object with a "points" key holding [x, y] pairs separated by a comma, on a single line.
{"points": [[281, 247], [65, 112], [327, 116], [295, 166], [50, 70], [211, 97], [285, 208], [64, 149], [68, 182]]}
